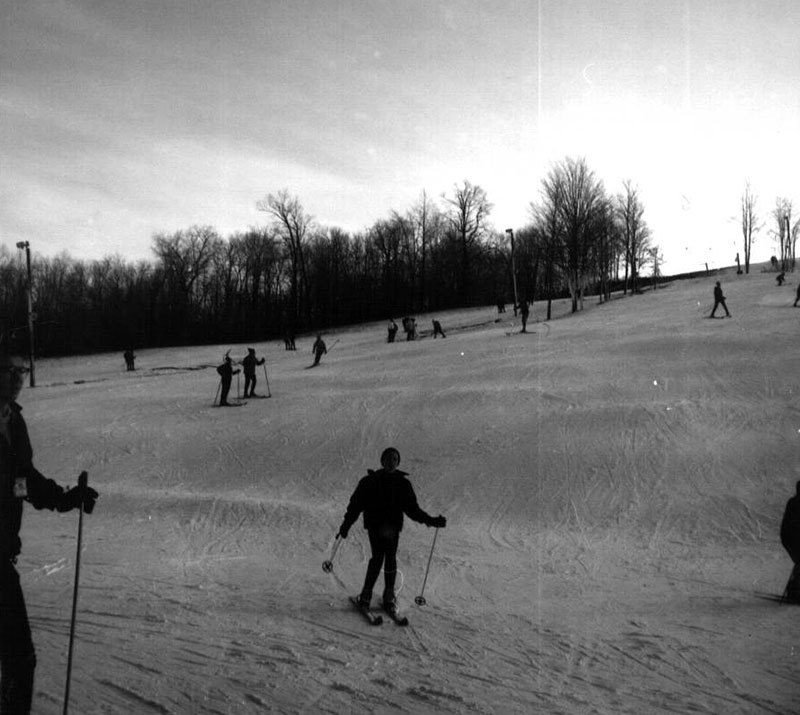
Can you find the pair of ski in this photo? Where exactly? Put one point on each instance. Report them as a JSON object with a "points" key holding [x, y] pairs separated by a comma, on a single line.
{"points": [[376, 619]]}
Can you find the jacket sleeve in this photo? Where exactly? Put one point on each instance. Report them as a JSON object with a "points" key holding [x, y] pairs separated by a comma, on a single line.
{"points": [[43, 493], [412, 508], [355, 507]]}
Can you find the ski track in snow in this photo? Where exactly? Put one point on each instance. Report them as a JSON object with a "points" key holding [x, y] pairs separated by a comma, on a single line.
{"points": [[613, 485]]}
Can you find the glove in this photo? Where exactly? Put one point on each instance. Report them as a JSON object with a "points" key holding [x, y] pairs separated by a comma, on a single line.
{"points": [[438, 521], [343, 531], [73, 498]]}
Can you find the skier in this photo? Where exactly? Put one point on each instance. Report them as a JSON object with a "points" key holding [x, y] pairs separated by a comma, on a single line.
{"points": [[129, 359], [410, 328], [384, 496], [437, 329], [20, 481], [249, 363], [797, 299], [781, 278], [719, 299], [226, 373], [319, 349], [524, 312], [790, 538], [392, 328]]}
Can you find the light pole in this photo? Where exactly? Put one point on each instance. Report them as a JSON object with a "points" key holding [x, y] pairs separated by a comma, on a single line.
{"points": [[27, 246], [510, 232]]}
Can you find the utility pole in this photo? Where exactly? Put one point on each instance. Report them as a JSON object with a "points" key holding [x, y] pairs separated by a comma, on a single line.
{"points": [[27, 246], [510, 232]]}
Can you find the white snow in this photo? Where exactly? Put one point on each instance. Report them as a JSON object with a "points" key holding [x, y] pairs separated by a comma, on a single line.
{"points": [[613, 485]]}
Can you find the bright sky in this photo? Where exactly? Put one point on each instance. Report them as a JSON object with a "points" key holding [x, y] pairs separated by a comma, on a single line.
{"points": [[123, 118]]}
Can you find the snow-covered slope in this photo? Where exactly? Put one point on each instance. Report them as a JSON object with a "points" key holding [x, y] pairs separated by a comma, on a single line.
{"points": [[613, 482]]}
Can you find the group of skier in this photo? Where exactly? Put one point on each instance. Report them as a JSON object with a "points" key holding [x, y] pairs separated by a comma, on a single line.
{"points": [[226, 370], [410, 329]]}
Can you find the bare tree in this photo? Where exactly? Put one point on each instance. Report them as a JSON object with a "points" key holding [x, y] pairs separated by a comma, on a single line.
{"points": [[750, 223], [576, 195], [469, 213], [782, 213], [547, 219], [635, 232], [293, 224]]}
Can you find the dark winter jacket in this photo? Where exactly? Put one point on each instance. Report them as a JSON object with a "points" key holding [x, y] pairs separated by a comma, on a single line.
{"points": [[249, 364], [16, 463], [718, 294], [226, 371], [384, 497], [790, 528]]}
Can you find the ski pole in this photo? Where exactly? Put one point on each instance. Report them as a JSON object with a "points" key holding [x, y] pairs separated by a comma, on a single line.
{"points": [[83, 481], [420, 600], [327, 566], [333, 346], [269, 394], [216, 395]]}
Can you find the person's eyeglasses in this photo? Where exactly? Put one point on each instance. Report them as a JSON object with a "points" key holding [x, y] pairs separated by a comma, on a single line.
{"points": [[15, 370]]}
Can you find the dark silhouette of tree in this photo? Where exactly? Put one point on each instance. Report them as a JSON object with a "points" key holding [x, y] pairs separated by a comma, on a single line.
{"points": [[468, 215], [635, 232], [293, 225], [750, 222]]}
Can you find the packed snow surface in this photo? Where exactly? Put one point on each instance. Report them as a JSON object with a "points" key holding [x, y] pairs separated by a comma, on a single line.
{"points": [[613, 483]]}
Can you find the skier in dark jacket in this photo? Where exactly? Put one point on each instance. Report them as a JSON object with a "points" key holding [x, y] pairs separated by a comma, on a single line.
{"points": [[524, 311], [790, 538], [719, 299], [20, 482], [319, 349], [249, 363], [384, 497], [226, 373]]}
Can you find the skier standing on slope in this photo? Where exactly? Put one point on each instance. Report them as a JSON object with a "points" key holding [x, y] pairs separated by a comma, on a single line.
{"points": [[20, 482], [384, 496], [249, 363], [790, 538], [319, 349], [719, 299], [226, 373]]}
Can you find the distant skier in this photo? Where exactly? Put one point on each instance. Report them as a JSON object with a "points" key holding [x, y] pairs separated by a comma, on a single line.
{"points": [[129, 359], [719, 299], [288, 340], [20, 482], [781, 278], [392, 328], [319, 349], [797, 299], [437, 329], [249, 363], [790, 538], [410, 328], [501, 305], [226, 373], [524, 311], [384, 496]]}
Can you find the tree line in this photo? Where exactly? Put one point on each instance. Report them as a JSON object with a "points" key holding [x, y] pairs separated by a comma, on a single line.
{"points": [[294, 275]]}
